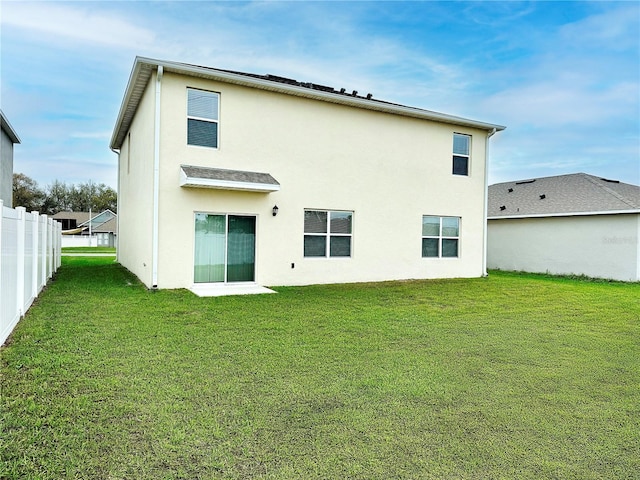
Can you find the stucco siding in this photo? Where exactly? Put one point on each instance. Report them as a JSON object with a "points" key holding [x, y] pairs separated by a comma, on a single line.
{"points": [[135, 191], [388, 169], [6, 169], [602, 246]]}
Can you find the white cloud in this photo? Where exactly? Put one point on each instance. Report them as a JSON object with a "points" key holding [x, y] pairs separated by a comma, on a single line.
{"points": [[617, 28], [78, 23], [105, 135], [563, 102]]}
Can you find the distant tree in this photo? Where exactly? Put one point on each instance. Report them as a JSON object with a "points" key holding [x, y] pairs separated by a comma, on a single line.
{"points": [[26, 193], [98, 197], [57, 198], [60, 197], [106, 199]]}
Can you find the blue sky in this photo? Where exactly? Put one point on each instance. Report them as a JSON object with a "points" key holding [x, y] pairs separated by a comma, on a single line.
{"points": [[564, 77]]}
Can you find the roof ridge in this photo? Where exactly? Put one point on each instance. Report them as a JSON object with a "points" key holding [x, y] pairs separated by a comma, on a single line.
{"points": [[610, 191]]}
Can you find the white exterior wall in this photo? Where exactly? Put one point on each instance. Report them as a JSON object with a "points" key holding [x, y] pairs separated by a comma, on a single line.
{"points": [[602, 246], [388, 169], [135, 190]]}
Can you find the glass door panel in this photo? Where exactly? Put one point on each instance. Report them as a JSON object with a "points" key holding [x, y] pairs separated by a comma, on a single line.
{"points": [[241, 247], [210, 248], [224, 248]]}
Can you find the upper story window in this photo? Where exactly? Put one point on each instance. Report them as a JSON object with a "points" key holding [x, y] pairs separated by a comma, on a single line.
{"points": [[327, 233], [440, 236], [461, 153], [202, 118]]}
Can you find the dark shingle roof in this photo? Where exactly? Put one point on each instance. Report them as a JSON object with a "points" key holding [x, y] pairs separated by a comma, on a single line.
{"points": [[228, 175], [79, 217], [576, 193]]}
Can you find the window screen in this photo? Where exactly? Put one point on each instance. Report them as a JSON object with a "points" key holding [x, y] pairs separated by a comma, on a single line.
{"points": [[461, 153], [327, 233], [202, 118], [440, 236]]}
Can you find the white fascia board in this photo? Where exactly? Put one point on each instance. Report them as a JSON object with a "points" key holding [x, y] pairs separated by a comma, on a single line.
{"points": [[186, 181], [567, 214]]}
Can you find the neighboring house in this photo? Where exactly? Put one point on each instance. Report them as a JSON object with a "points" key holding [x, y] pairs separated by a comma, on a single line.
{"points": [[228, 179], [71, 221], [568, 224], [9, 138], [98, 230]]}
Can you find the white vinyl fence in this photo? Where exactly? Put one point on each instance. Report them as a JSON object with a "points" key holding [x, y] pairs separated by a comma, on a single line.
{"points": [[79, 241], [30, 254]]}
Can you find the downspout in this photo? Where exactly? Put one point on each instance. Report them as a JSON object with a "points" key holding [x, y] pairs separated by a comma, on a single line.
{"points": [[486, 203], [117, 152], [156, 182]]}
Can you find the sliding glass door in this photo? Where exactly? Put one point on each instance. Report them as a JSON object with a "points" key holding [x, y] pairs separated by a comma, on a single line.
{"points": [[225, 247]]}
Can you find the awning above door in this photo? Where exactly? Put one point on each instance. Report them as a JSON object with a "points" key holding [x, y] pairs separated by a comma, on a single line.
{"points": [[203, 177]]}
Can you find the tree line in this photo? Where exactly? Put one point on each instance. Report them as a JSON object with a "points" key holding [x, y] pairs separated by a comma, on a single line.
{"points": [[60, 196]]}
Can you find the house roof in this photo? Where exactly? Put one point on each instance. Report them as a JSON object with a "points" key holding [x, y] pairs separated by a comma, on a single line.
{"points": [[574, 194], [6, 127], [79, 217], [110, 226], [204, 177], [143, 68], [105, 221]]}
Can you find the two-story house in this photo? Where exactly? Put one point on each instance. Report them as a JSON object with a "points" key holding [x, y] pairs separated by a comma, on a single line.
{"points": [[231, 179]]}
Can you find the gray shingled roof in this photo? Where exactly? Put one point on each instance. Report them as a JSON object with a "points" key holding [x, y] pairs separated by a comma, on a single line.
{"points": [[576, 193], [228, 175], [79, 217]]}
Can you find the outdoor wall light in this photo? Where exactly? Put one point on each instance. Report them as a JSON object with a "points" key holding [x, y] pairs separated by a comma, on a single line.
{"points": [[275, 210]]}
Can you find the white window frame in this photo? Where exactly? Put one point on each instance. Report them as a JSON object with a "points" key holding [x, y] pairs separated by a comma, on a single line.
{"points": [[440, 237], [204, 119], [467, 155], [328, 234]]}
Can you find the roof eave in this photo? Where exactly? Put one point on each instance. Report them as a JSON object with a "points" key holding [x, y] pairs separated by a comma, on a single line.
{"points": [[6, 126], [144, 66], [566, 214]]}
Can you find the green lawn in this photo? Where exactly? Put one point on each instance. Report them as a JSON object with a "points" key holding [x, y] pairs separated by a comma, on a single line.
{"points": [[89, 250], [511, 376]]}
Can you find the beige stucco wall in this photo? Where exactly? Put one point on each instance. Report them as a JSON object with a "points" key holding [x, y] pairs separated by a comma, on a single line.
{"points": [[135, 190], [602, 246], [389, 170]]}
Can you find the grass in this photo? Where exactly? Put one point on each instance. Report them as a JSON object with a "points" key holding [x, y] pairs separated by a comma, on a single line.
{"points": [[89, 250], [511, 376]]}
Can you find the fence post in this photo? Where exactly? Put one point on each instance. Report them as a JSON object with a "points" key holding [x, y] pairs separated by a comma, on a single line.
{"points": [[43, 250], [50, 249], [58, 237], [34, 252], [22, 218]]}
